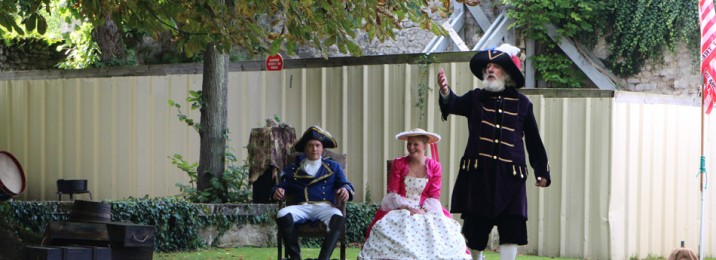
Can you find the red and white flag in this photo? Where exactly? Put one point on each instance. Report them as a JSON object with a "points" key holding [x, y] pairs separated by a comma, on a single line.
{"points": [[708, 52]]}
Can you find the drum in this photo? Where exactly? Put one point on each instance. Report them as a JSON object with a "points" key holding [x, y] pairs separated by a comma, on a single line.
{"points": [[12, 178]]}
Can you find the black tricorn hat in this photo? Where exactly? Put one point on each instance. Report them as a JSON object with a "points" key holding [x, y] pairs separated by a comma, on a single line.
{"points": [[505, 56], [315, 133]]}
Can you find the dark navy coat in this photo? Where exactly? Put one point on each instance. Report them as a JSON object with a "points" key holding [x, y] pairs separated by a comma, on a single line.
{"points": [[493, 171], [314, 189]]}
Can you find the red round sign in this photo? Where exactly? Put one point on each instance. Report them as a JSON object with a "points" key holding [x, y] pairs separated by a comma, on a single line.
{"points": [[274, 62]]}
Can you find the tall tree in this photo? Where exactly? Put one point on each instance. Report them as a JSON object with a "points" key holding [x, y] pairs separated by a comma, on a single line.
{"points": [[259, 26]]}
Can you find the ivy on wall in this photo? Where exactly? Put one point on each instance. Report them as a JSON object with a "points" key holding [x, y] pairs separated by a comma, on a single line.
{"points": [[642, 30], [177, 221], [558, 71], [637, 31], [570, 17]]}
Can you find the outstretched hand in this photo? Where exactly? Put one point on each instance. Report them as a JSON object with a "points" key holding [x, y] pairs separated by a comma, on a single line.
{"points": [[443, 82]]}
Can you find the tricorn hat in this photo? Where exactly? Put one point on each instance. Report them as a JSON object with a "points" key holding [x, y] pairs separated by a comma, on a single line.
{"points": [[432, 137], [505, 56], [315, 133]]}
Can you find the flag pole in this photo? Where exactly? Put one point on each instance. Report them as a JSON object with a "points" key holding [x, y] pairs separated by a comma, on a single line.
{"points": [[702, 171]]}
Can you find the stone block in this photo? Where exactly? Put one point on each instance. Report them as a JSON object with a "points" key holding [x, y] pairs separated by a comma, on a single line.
{"points": [[644, 86], [685, 83], [248, 235]]}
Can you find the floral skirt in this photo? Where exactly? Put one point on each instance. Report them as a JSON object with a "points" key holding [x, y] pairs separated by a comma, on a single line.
{"points": [[398, 235]]}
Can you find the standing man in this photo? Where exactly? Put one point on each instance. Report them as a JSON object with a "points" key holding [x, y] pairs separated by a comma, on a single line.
{"points": [[315, 183], [490, 188]]}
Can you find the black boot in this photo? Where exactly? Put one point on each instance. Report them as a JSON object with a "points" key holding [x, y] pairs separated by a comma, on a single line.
{"points": [[335, 227], [290, 238]]}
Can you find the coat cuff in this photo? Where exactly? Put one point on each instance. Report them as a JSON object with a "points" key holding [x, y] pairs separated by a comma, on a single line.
{"points": [[393, 201], [431, 204]]}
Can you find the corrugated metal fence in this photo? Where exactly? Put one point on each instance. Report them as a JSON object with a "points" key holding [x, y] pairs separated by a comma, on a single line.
{"points": [[624, 168]]}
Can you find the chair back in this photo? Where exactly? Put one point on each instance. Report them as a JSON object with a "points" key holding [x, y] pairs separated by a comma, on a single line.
{"points": [[388, 164]]}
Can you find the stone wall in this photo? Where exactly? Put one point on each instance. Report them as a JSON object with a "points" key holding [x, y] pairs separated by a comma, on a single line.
{"points": [[677, 74], [29, 54], [241, 235]]}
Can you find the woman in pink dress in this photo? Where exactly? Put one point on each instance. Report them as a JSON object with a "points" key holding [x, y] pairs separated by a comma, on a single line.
{"points": [[411, 222]]}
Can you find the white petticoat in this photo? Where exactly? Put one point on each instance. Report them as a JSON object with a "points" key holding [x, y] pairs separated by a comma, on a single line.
{"points": [[398, 235]]}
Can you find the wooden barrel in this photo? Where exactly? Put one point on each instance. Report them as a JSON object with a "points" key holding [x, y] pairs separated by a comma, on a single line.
{"points": [[12, 177], [90, 211]]}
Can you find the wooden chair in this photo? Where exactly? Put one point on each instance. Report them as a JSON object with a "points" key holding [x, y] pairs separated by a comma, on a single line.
{"points": [[388, 164], [314, 229]]}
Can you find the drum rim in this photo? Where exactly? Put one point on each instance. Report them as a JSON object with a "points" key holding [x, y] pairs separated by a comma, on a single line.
{"points": [[22, 176]]}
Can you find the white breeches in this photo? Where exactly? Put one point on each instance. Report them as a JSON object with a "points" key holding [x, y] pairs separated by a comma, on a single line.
{"points": [[310, 212]]}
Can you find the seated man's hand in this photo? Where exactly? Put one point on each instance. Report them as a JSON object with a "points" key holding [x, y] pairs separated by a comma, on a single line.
{"points": [[278, 194], [342, 194]]}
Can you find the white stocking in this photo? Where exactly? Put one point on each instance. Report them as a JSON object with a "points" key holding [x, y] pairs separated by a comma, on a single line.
{"points": [[508, 251], [476, 255]]}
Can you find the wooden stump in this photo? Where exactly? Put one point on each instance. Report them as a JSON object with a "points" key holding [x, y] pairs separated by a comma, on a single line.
{"points": [[268, 151]]}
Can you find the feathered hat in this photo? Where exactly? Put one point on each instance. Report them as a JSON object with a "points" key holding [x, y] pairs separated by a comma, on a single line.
{"points": [[506, 56]]}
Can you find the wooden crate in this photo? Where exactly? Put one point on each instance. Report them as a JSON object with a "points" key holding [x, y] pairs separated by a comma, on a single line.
{"points": [[100, 253], [131, 235], [76, 233], [76, 253], [120, 252], [42, 253]]}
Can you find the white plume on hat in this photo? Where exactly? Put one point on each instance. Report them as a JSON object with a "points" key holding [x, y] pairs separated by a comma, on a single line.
{"points": [[509, 49]]}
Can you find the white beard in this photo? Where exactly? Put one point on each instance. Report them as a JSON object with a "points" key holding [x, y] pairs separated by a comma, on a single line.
{"points": [[496, 85]]}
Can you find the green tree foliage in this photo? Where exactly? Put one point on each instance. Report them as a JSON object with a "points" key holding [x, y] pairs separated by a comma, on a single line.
{"points": [[258, 25], [28, 12]]}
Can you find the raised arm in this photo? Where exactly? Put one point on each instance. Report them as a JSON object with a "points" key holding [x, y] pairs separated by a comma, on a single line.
{"points": [[449, 102]]}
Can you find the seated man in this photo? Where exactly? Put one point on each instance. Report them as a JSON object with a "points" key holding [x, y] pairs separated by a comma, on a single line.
{"points": [[315, 183]]}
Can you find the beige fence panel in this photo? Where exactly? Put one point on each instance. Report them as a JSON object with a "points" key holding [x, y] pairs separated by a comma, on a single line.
{"points": [[655, 202], [568, 219]]}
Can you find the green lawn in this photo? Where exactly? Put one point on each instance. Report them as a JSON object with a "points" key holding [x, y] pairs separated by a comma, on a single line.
{"points": [[248, 253]]}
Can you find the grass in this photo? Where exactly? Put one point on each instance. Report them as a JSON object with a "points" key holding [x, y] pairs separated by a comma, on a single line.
{"points": [[250, 253]]}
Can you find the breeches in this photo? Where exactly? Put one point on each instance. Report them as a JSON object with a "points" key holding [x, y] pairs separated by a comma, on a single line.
{"points": [[512, 230], [310, 212]]}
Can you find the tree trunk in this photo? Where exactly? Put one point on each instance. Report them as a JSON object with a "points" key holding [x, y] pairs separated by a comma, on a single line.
{"points": [[213, 117], [109, 40]]}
